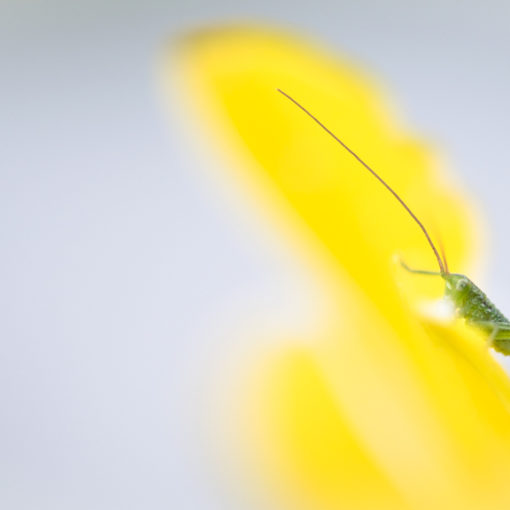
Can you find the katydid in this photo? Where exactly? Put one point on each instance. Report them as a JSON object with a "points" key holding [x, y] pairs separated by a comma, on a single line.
{"points": [[469, 301]]}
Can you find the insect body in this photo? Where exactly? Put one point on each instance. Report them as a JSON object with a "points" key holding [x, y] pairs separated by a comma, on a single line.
{"points": [[469, 301], [474, 306]]}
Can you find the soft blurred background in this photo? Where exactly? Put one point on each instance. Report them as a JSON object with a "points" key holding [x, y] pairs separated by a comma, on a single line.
{"points": [[125, 265]]}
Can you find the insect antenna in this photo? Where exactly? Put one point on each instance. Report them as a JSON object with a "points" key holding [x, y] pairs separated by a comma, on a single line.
{"points": [[376, 175], [443, 254]]}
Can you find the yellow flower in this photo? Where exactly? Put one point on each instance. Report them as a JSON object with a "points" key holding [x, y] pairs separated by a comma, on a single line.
{"points": [[382, 408]]}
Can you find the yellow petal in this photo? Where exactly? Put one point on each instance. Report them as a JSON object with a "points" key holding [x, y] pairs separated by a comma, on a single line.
{"points": [[384, 409], [231, 76], [305, 445], [441, 442]]}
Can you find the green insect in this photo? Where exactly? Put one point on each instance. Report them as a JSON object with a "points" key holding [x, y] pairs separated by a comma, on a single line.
{"points": [[469, 301]]}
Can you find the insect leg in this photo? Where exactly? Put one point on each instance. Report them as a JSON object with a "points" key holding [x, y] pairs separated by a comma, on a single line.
{"points": [[492, 337], [499, 333], [417, 271]]}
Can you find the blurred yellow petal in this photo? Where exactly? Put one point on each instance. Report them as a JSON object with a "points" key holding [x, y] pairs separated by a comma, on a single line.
{"points": [[305, 444], [439, 444], [232, 75], [384, 409]]}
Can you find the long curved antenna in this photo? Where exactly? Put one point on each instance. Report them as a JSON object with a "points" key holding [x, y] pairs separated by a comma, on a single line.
{"points": [[443, 254], [404, 205]]}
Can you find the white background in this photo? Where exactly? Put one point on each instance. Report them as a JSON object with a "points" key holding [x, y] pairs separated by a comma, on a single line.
{"points": [[120, 256]]}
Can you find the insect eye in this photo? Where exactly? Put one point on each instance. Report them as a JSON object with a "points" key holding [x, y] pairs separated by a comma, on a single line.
{"points": [[461, 285]]}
